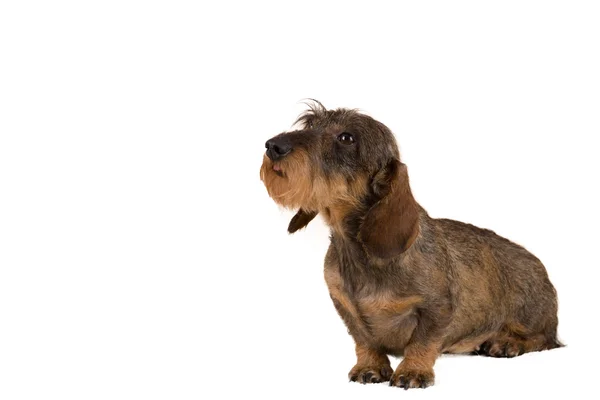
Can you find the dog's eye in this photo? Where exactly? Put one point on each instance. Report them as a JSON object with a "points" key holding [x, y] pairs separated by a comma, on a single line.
{"points": [[346, 138]]}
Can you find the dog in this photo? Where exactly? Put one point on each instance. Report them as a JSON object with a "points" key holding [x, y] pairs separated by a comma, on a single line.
{"points": [[404, 283]]}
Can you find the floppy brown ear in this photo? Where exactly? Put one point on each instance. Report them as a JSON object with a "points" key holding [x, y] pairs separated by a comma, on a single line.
{"points": [[301, 219], [392, 224]]}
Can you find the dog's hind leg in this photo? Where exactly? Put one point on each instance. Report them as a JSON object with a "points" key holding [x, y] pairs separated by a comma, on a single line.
{"points": [[514, 342]]}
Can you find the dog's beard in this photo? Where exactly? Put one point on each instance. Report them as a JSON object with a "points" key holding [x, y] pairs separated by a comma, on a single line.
{"points": [[288, 181]]}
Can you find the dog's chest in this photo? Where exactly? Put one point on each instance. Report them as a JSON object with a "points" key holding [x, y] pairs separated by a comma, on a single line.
{"points": [[375, 310], [389, 319], [380, 318]]}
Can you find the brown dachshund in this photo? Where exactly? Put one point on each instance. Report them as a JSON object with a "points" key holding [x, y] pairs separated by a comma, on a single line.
{"points": [[404, 283]]}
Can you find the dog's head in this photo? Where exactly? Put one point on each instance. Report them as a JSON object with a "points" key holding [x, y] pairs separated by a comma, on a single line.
{"points": [[341, 162]]}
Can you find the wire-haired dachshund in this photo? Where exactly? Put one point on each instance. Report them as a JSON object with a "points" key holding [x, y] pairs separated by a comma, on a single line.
{"points": [[404, 283]]}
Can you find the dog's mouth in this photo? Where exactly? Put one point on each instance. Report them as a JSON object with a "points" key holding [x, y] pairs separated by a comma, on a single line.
{"points": [[278, 171]]}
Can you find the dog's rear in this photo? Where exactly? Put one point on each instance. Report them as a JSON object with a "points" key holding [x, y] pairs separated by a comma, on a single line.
{"points": [[404, 283], [490, 272]]}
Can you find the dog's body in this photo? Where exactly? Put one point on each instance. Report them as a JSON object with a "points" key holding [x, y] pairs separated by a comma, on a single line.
{"points": [[404, 283]]}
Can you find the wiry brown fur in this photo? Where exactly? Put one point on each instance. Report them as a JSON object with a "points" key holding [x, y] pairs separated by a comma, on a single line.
{"points": [[405, 283]]}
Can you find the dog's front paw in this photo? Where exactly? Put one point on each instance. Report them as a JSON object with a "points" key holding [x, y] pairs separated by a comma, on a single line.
{"points": [[370, 374], [411, 378]]}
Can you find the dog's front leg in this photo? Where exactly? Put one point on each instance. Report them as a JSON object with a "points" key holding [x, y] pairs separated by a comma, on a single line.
{"points": [[416, 369], [371, 366]]}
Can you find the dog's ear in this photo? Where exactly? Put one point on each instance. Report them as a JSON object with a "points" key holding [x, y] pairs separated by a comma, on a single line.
{"points": [[392, 224], [301, 219]]}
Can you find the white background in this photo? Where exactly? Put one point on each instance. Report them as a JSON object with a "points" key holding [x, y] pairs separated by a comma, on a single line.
{"points": [[140, 256]]}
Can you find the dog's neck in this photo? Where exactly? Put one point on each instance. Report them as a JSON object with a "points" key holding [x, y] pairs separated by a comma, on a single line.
{"points": [[344, 218], [339, 219]]}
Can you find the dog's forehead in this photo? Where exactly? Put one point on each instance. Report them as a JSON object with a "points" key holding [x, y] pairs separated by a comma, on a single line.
{"points": [[341, 117]]}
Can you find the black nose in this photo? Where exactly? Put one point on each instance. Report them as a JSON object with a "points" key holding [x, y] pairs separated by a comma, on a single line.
{"points": [[277, 148]]}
